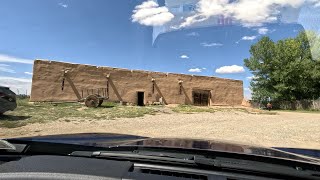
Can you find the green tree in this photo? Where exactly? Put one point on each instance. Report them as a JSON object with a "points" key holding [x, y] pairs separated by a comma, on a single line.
{"points": [[284, 70]]}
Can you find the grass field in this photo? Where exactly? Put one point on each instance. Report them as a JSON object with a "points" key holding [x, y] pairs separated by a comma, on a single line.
{"points": [[191, 109], [236, 124], [44, 112]]}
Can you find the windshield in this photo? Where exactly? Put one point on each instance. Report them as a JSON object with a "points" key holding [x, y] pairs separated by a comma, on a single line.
{"points": [[236, 71]]}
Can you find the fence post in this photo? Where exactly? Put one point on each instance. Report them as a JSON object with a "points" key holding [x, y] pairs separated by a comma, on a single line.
{"points": [[313, 104]]}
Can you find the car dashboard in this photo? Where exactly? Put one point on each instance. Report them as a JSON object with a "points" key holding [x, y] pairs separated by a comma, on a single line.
{"points": [[68, 167]]}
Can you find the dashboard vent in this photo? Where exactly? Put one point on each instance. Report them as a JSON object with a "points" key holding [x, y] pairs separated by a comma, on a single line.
{"points": [[173, 174]]}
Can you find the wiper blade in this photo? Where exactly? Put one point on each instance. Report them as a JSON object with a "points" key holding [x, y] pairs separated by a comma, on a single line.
{"points": [[134, 156]]}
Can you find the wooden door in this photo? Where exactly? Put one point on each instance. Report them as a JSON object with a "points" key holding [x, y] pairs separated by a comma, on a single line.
{"points": [[201, 98]]}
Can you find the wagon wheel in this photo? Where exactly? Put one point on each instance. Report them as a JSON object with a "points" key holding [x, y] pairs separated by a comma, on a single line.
{"points": [[100, 100], [92, 101]]}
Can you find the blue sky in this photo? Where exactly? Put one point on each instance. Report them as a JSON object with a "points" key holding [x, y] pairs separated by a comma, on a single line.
{"points": [[105, 33]]}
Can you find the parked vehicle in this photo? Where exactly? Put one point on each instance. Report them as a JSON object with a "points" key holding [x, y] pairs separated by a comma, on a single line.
{"points": [[7, 100]]}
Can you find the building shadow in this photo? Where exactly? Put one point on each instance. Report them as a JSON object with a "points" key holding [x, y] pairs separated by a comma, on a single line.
{"points": [[158, 90], [4, 117]]}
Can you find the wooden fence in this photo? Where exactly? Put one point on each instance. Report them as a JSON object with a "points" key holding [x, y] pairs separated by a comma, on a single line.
{"points": [[296, 105]]}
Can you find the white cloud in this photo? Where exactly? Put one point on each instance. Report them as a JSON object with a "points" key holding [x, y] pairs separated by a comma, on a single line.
{"points": [[184, 56], [248, 38], [174, 27], [15, 79], [230, 69], [193, 34], [195, 70], [204, 68], [316, 3], [191, 20], [12, 59], [17, 85], [251, 77], [247, 12], [247, 89], [247, 93], [6, 68], [271, 31], [150, 14], [204, 44], [63, 5], [263, 30], [29, 73]]}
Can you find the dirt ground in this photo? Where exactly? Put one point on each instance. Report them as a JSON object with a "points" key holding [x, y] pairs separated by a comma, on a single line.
{"points": [[286, 129]]}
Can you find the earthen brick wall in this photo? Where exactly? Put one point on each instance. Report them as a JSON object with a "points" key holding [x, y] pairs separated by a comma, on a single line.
{"points": [[48, 75]]}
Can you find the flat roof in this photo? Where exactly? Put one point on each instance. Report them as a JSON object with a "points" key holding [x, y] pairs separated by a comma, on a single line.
{"points": [[147, 71]]}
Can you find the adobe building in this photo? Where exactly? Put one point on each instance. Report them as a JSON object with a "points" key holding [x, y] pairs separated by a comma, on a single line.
{"points": [[57, 81]]}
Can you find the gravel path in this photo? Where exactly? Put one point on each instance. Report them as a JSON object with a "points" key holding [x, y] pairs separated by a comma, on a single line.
{"points": [[287, 129]]}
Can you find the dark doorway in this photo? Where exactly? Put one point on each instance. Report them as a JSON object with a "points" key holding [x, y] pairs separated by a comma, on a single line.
{"points": [[140, 99], [200, 98]]}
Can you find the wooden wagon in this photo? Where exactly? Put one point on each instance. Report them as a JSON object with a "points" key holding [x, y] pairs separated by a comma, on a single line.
{"points": [[93, 98]]}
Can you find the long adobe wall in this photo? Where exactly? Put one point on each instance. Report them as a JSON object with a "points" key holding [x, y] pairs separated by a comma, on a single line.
{"points": [[124, 84]]}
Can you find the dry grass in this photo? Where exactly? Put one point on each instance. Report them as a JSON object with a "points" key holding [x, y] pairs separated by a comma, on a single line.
{"points": [[44, 112], [27, 113], [192, 109], [189, 109]]}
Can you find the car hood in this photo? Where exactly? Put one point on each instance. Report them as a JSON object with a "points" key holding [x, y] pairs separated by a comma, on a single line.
{"points": [[109, 139]]}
